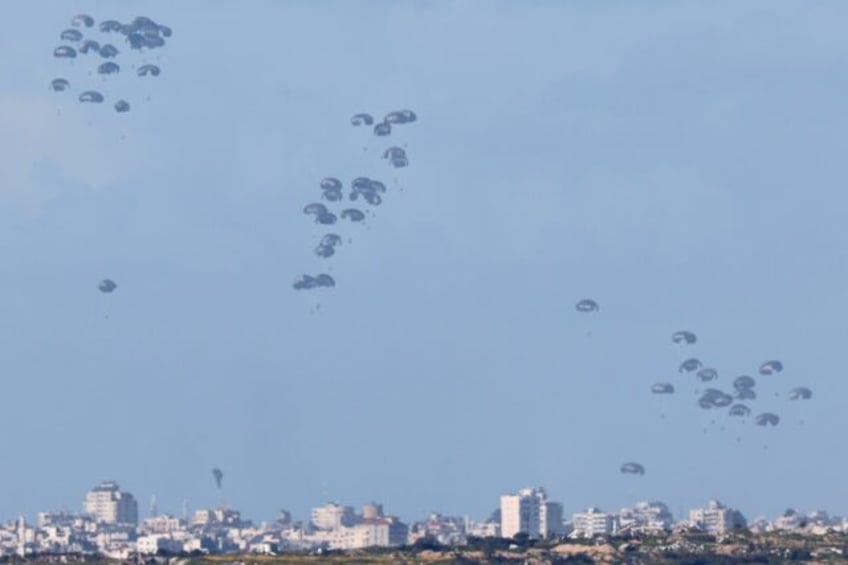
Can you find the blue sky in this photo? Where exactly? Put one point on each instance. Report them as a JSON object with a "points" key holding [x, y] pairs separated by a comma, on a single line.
{"points": [[681, 163]]}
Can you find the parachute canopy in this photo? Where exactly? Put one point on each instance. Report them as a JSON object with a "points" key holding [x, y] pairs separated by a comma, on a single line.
{"points": [[662, 388], [632, 468], [587, 305], [148, 70], [71, 35], [82, 20], [107, 285], [353, 215], [771, 367], [739, 410], [108, 68], [59, 84], [218, 475], [800, 393], [362, 120], [122, 106], [65, 52], [684, 337], [767, 419], [707, 374], [690, 365], [91, 96]]}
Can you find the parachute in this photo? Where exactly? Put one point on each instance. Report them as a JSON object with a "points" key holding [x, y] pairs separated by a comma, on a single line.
{"points": [[771, 367], [326, 219], [107, 286], [707, 374], [89, 45], [800, 393], [662, 388], [91, 96], [739, 410], [353, 215], [82, 20], [145, 70], [362, 120], [690, 365], [65, 52], [108, 51], [632, 469], [767, 419], [587, 305], [400, 117], [59, 85], [684, 337], [327, 247], [219, 476], [383, 129], [108, 68], [308, 282], [744, 382], [331, 183], [394, 152], [315, 208], [332, 195], [108, 26], [122, 106], [713, 398], [71, 35]]}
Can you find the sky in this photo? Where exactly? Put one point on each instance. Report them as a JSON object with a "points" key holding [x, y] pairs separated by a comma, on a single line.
{"points": [[681, 163]]}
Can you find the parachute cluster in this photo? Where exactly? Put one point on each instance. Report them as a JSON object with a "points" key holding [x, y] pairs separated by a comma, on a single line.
{"points": [[96, 42], [333, 210], [736, 400]]}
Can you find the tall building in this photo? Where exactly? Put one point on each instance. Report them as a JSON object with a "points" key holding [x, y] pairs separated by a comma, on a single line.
{"points": [[108, 504], [530, 512], [592, 523], [645, 517], [716, 518], [333, 516]]}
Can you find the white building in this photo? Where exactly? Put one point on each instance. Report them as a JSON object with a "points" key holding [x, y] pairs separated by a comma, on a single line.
{"points": [[592, 523], [530, 512], [645, 518], [382, 532], [333, 516], [716, 518], [108, 504]]}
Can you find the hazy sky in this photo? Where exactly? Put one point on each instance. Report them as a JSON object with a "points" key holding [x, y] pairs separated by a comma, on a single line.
{"points": [[682, 163]]}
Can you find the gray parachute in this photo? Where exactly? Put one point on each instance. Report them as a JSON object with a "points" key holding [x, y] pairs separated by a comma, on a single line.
{"points": [[71, 35], [108, 68], [396, 156], [353, 215], [59, 85], [122, 106], [662, 388], [713, 398], [767, 419], [800, 393], [108, 26], [218, 475], [327, 247], [108, 51], [89, 45], [400, 117], [707, 374], [632, 468], [82, 20], [690, 365], [744, 383], [91, 96], [587, 305], [771, 367], [308, 282], [362, 119], [107, 286], [684, 337], [382, 129], [331, 183], [739, 410], [65, 52], [148, 70]]}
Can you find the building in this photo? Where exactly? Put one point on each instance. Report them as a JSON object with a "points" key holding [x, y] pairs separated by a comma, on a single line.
{"points": [[645, 518], [333, 516], [382, 532], [716, 518], [109, 505], [530, 512], [592, 523]]}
